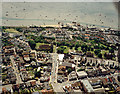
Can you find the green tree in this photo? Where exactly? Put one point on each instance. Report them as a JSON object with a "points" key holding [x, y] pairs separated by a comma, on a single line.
{"points": [[37, 40], [100, 55], [69, 70], [118, 78], [97, 51], [92, 49], [111, 50], [32, 44], [61, 49]]}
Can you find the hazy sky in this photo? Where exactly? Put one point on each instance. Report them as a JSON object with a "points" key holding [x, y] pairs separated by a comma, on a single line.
{"points": [[50, 13], [60, 0]]}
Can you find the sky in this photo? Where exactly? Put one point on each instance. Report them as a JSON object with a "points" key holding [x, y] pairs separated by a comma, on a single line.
{"points": [[39, 13], [60, 0]]}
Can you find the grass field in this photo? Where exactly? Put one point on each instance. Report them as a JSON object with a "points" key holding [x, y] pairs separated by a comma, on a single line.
{"points": [[54, 48], [79, 49], [38, 44], [11, 31], [66, 50]]}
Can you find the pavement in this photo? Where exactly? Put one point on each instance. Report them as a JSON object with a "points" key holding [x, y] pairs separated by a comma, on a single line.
{"points": [[54, 68], [16, 71]]}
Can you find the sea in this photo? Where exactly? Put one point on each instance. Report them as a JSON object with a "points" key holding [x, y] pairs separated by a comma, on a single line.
{"points": [[102, 14]]}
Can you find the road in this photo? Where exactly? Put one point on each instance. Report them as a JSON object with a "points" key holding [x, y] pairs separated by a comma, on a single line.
{"points": [[53, 78], [15, 70], [54, 68]]}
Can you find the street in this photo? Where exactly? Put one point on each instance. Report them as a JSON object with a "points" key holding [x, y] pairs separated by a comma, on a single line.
{"points": [[16, 71]]}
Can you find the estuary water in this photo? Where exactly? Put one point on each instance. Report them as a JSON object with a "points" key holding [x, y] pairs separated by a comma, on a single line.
{"points": [[49, 13]]}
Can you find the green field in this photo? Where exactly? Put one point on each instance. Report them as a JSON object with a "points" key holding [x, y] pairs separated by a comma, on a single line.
{"points": [[66, 50], [54, 48], [38, 44], [11, 31], [79, 49]]}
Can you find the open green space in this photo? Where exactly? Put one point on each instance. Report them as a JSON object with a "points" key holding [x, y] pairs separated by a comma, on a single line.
{"points": [[11, 31], [38, 44]]}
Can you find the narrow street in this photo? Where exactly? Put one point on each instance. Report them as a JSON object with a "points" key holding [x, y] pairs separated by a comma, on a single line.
{"points": [[16, 71]]}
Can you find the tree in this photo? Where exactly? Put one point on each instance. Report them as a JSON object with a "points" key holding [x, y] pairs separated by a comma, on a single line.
{"points": [[37, 73], [63, 43], [61, 49], [96, 47], [111, 50], [97, 51], [102, 47], [32, 44], [51, 50], [69, 70], [100, 55], [37, 40], [71, 46], [96, 40], [118, 78], [88, 48], [92, 49], [67, 44]]}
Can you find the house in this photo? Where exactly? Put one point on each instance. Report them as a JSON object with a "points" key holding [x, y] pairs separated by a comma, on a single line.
{"points": [[96, 83], [108, 55], [76, 85], [45, 47], [60, 79], [68, 88], [92, 73], [45, 91], [10, 70], [83, 60], [8, 51], [87, 86], [87, 38], [33, 83], [89, 54], [33, 54], [6, 90], [62, 72], [118, 89], [72, 76], [104, 71], [63, 68], [27, 84], [24, 75], [81, 74], [12, 77], [44, 79], [33, 63], [68, 65], [104, 82], [15, 87], [26, 56]]}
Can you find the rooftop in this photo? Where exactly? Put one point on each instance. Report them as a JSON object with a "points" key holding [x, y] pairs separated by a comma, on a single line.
{"points": [[87, 85]]}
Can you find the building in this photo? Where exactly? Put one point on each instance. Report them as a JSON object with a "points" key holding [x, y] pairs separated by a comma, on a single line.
{"points": [[87, 86], [24, 75], [68, 65], [72, 76], [81, 74], [45, 47], [26, 56]]}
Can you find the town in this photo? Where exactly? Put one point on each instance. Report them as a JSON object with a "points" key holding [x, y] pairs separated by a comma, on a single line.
{"points": [[67, 58]]}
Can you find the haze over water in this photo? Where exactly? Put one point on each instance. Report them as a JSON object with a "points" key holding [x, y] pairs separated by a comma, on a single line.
{"points": [[40, 13]]}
